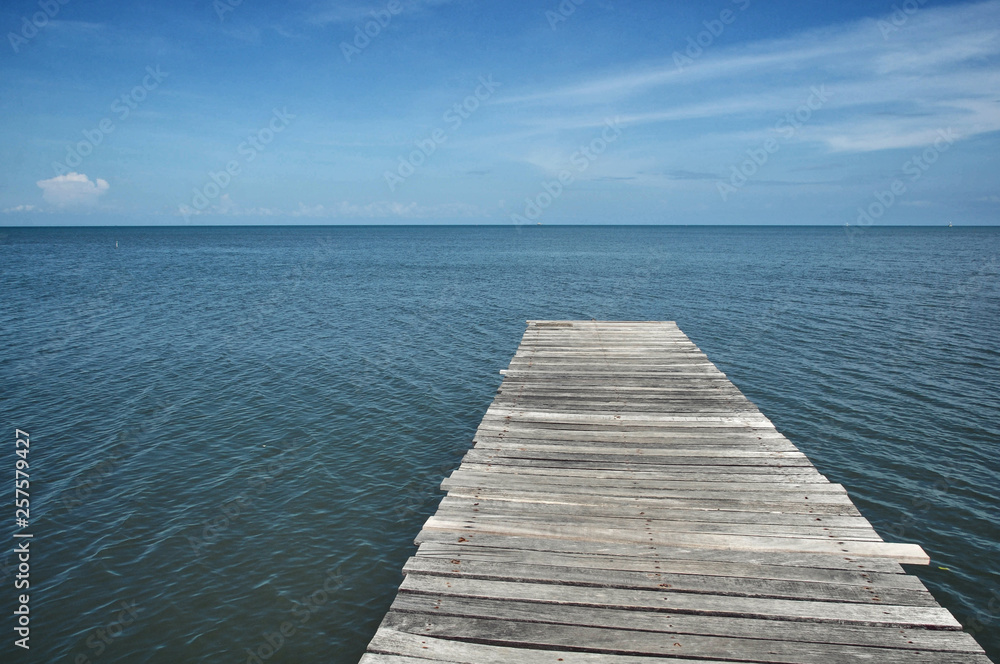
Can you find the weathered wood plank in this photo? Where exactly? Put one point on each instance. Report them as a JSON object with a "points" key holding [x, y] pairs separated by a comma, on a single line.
{"points": [[673, 446], [733, 586], [902, 553], [662, 475], [648, 450], [661, 556], [584, 498], [663, 525], [644, 510], [666, 600], [639, 490], [793, 473], [638, 437], [651, 459], [634, 642], [473, 476], [392, 642], [657, 622], [673, 561]]}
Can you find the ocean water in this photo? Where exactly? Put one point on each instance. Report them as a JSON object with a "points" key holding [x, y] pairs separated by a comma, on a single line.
{"points": [[236, 430]]}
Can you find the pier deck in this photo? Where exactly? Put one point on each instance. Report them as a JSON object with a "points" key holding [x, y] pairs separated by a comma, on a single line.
{"points": [[625, 503]]}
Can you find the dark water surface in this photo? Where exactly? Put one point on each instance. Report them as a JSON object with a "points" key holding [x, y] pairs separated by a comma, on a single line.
{"points": [[236, 428]]}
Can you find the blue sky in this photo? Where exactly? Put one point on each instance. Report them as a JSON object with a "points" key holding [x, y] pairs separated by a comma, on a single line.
{"points": [[467, 111]]}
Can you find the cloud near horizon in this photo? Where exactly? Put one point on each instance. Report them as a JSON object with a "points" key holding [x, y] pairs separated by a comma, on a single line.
{"points": [[341, 210], [73, 190]]}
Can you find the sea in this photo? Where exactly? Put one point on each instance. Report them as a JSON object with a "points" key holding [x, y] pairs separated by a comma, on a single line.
{"points": [[235, 433]]}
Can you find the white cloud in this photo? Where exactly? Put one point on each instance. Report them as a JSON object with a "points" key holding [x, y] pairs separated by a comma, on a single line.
{"points": [[388, 209], [226, 205], [344, 210], [20, 208], [73, 190]]}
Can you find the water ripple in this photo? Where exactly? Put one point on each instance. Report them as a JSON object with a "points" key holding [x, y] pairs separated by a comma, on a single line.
{"points": [[236, 428]]}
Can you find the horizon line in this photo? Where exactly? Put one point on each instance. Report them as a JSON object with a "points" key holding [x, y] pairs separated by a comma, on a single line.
{"points": [[508, 225]]}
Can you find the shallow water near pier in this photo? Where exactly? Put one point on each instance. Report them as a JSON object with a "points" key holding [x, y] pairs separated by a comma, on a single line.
{"points": [[240, 430]]}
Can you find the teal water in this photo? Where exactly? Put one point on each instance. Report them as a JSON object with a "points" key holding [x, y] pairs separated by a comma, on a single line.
{"points": [[237, 428]]}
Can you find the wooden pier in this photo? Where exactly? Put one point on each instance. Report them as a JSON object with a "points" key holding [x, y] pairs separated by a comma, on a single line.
{"points": [[625, 503]]}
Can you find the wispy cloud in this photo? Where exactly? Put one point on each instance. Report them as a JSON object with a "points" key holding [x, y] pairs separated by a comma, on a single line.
{"points": [[76, 26], [20, 208], [887, 91], [387, 209], [350, 12], [692, 175], [344, 210]]}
